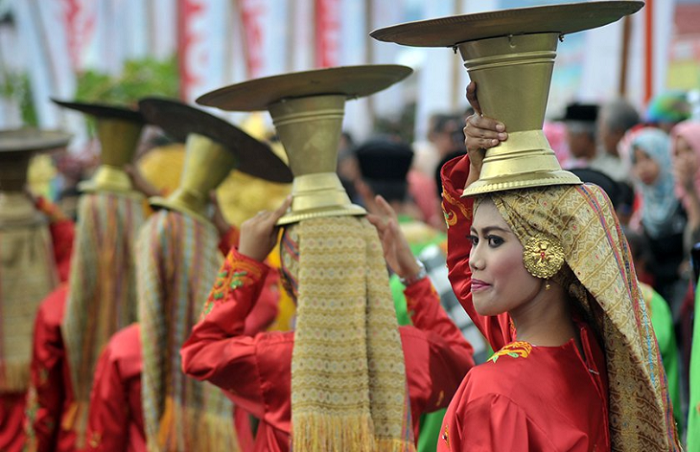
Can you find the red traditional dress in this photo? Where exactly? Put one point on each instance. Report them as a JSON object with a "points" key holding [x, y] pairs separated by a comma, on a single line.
{"points": [[52, 417], [116, 419], [255, 370], [526, 397], [13, 406]]}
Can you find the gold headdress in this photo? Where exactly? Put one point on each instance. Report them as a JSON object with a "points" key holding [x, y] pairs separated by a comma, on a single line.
{"points": [[307, 109], [119, 131], [510, 55], [214, 148]]}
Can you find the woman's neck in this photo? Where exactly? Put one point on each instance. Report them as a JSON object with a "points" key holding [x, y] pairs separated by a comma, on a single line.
{"points": [[546, 319]]}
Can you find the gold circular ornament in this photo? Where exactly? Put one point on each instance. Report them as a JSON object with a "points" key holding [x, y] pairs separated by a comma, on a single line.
{"points": [[543, 256]]}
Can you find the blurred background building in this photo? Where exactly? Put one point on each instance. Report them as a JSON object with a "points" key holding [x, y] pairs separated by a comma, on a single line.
{"points": [[119, 50]]}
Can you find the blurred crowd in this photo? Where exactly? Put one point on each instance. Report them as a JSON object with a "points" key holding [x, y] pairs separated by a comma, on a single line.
{"points": [[648, 163]]}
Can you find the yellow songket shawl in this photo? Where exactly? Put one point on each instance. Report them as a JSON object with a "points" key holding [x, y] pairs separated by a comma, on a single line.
{"points": [[582, 219], [349, 390], [27, 275], [101, 289], [177, 262]]}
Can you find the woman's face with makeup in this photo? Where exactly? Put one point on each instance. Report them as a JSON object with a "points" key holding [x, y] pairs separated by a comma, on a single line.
{"points": [[500, 282]]}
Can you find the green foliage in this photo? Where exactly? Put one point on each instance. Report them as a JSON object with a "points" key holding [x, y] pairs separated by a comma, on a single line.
{"points": [[16, 86], [139, 78]]}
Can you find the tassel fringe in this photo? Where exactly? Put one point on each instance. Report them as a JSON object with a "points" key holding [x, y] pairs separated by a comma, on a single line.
{"points": [[315, 432], [194, 430]]}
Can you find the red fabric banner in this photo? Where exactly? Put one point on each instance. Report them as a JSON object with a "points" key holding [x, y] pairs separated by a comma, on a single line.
{"points": [[327, 33]]}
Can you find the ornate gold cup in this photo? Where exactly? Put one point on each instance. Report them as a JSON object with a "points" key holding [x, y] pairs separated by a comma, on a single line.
{"points": [[17, 146], [307, 109], [213, 149], [119, 131], [510, 55], [207, 164]]}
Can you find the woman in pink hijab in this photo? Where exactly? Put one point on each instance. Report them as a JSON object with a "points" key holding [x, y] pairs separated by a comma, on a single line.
{"points": [[685, 152]]}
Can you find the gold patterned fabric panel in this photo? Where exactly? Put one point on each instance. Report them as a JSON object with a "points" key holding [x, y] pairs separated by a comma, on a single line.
{"points": [[348, 374], [27, 275]]}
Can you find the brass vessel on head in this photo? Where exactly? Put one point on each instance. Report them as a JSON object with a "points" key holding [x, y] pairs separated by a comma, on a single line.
{"points": [[118, 131], [510, 55], [310, 128], [214, 147], [307, 109], [17, 146], [207, 163]]}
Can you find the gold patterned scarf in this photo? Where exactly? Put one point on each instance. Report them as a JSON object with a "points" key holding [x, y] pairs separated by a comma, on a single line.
{"points": [[102, 289], [349, 390], [582, 220], [27, 275], [177, 262]]}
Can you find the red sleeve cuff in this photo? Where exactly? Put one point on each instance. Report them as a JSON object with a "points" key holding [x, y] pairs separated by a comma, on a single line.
{"points": [[237, 271], [49, 209], [454, 175], [416, 293]]}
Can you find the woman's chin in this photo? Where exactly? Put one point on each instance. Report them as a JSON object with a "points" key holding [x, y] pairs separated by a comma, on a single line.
{"points": [[483, 307]]}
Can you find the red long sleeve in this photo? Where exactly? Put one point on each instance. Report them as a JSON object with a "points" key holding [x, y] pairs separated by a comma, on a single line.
{"points": [[62, 235], [256, 370], [436, 354], [229, 240], [62, 231], [495, 423], [218, 347], [115, 423], [48, 374], [458, 214]]}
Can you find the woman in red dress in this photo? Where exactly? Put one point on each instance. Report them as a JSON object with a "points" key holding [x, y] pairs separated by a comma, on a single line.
{"points": [[546, 274]]}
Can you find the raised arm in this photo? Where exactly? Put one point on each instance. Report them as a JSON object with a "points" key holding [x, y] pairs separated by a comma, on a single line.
{"points": [[62, 231], [219, 348], [457, 174], [47, 378], [108, 423], [447, 357]]}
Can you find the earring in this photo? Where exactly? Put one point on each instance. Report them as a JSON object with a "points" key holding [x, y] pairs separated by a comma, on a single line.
{"points": [[543, 256], [546, 284]]}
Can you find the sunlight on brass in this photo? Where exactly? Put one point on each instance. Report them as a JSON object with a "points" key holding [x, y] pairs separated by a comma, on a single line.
{"points": [[206, 165], [118, 141], [307, 109], [510, 55], [310, 130], [513, 76], [351, 81], [17, 146]]}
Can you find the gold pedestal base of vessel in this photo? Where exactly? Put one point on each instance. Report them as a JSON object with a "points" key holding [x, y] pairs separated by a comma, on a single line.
{"points": [[307, 109], [510, 55]]}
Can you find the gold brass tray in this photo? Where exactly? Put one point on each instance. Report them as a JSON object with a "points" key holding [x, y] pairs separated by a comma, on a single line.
{"points": [[179, 120], [351, 81], [564, 19]]}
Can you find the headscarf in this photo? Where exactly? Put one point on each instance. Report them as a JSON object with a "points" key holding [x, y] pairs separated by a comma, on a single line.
{"points": [[582, 219], [349, 389], [690, 132], [668, 107], [176, 263], [660, 201], [27, 274], [101, 289]]}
